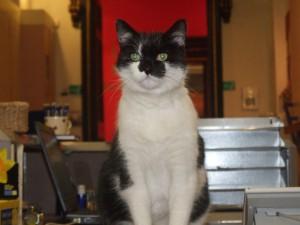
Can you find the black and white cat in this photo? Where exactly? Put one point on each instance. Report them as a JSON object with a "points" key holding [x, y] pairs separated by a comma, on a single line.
{"points": [[154, 174]]}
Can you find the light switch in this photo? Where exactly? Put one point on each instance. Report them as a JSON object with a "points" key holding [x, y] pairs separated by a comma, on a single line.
{"points": [[250, 98]]}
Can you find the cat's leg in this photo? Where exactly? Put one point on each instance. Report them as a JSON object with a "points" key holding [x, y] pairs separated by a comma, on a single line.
{"points": [[201, 203], [137, 198], [182, 194], [186, 183], [162, 221], [201, 220]]}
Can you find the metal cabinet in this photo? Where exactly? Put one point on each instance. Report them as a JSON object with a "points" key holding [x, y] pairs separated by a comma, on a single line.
{"points": [[243, 153]]}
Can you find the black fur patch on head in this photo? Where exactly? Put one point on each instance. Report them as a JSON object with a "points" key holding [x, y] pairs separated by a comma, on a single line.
{"points": [[110, 204], [149, 45]]}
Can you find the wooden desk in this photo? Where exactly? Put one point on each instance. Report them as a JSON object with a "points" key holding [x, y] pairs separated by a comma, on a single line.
{"points": [[79, 146]]}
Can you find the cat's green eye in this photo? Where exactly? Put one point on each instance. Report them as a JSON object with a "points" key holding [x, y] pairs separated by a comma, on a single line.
{"points": [[135, 57], [162, 57]]}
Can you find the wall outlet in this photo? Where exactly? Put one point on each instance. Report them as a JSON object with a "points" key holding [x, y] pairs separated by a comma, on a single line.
{"points": [[250, 98]]}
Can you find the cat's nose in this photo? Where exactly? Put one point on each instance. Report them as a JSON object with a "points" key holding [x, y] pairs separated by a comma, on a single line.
{"points": [[145, 68]]}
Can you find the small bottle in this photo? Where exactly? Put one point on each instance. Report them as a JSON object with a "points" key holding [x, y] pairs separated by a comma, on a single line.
{"points": [[91, 200], [81, 196], [66, 109], [47, 110]]}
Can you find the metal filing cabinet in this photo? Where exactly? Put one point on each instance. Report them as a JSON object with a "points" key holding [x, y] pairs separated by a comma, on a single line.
{"points": [[243, 153]]}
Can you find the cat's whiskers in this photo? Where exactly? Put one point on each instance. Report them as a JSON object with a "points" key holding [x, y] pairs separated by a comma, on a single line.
{"points": [[114, 86], [114, 83], [117, 89], [170, 78], [190, 88]]}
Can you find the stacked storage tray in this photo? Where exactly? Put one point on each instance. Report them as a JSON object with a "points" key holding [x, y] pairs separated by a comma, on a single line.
{"points": [[242, 153]]}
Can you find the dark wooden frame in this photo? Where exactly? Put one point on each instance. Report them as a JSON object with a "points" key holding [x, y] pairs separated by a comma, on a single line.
{"points": [[92, 101], [214, 82]]}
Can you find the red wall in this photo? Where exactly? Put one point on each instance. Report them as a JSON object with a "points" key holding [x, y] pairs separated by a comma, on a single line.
{"points": [[143, 15]]}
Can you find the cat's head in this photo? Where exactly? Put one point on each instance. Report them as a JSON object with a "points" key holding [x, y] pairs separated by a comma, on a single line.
{"points": [[152, 62]]}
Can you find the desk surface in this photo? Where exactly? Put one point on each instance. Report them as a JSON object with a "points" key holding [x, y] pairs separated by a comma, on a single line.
{"points": [[85, 146], [32, 142]]}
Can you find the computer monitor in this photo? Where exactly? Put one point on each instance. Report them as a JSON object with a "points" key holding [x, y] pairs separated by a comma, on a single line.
{"points": [[58, 169]]}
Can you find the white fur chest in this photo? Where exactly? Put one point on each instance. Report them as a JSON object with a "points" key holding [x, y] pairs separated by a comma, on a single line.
{"points": [[155, 135], [156, 120]]}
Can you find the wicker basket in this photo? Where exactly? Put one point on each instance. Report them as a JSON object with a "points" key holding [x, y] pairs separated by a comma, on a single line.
{"points": [[13, 117]]}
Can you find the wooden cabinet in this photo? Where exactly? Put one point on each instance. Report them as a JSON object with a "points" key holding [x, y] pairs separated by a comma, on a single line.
{"points": [[9, 49], [26, 56], [36, 78]]}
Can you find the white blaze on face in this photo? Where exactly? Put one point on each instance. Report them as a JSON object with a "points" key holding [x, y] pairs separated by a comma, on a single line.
{"points": [[139, 81]]}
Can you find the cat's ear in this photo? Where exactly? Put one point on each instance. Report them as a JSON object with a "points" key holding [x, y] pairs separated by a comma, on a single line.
{"points": [[177, 32], [124, 31]]}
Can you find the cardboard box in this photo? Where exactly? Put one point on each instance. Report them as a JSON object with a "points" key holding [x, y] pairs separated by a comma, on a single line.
{"points": [[8, 169], [10, 189]]}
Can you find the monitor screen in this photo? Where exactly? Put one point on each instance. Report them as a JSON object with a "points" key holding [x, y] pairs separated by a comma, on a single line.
{"points": [[58, 168]]}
